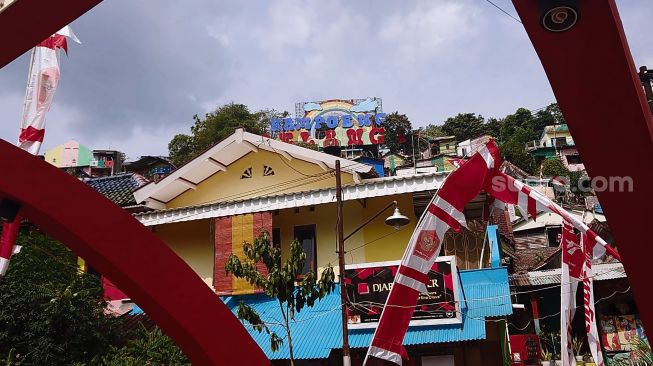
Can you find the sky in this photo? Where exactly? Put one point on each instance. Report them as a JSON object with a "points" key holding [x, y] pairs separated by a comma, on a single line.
{"points": [[146, 67]]}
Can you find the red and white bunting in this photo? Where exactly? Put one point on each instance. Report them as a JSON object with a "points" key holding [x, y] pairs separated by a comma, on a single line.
{"points": [[573, 258], [588, 244], [41, 85], [530, 202], [444, 212]]}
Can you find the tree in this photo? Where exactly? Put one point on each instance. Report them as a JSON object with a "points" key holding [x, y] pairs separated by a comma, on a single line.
{"points": [[522, 119], [548, 116], [49, 313], [283, 282], [554, 167], [432, 130], [146, 347], [464, 126], [515, 152], [398, 131], [493, 128], [215, 127]]}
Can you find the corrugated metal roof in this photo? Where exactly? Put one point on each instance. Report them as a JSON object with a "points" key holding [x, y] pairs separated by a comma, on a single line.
{"points": [[602, 272], [317, 330], [549, 219]]}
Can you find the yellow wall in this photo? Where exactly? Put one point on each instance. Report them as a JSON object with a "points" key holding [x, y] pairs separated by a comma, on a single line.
{"points": [[384, 243], [193, 242], [288, 177]]}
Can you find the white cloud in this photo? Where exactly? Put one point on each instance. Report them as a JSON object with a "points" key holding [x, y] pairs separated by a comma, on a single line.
{"points": [[133, 87], [219, 35], [430, 27]]}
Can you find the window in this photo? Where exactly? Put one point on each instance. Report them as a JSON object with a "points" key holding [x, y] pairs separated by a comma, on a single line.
{"points": [[559, 141], [573, 159], [554, 235], [306, 237], [276, 237]]}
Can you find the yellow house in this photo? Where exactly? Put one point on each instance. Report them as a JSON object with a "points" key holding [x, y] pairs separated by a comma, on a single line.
{"points": [[246, 174], [208, 207]]}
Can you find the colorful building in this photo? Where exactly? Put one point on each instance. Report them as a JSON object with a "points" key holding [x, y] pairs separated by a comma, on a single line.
{"points": [[84, 162], [556, 140], [205, 209]]}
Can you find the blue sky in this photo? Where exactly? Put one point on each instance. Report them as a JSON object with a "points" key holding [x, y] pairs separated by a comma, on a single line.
{"points": [[146, 67]]}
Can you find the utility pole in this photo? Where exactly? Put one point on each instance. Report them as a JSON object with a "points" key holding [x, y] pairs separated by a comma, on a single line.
{"points": [[646, 77], [346, 357]]}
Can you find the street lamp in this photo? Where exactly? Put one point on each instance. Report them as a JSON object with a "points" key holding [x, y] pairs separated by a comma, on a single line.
{"points": [[396, 220]]}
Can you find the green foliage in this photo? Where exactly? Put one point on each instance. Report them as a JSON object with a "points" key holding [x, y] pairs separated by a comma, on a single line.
{"points": [[554, 167], [282, 282], [464, 126], [146, 348], [49, 313], [216, 126], [432, 130], [548, 116], [550, 342], [515, 152], [398, 130]]}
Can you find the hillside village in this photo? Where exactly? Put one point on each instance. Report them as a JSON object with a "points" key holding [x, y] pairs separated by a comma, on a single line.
{"points": [[508, 265]]}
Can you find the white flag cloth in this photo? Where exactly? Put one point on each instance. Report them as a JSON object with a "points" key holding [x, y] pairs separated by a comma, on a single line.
{"points": [[588, 298], [573, 258], [42, 83], [443, 213]]}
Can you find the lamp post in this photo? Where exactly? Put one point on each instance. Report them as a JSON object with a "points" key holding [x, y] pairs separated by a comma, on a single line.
{"points": [[397, 220]]}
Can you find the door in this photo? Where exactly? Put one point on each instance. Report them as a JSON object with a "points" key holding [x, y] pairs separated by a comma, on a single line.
{"points": [[306, 237]]}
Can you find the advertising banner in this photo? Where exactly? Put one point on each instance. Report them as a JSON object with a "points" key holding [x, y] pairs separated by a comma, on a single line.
{"points": [[369, 284]]}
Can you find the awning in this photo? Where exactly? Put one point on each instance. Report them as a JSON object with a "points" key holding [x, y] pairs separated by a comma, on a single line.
{"points": [[317, 331], [368, 188]]}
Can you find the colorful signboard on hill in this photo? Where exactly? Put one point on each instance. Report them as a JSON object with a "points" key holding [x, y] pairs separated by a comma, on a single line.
{"points": [[333, 122]]}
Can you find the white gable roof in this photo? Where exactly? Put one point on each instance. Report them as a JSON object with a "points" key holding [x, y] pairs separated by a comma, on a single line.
{"points": [[220, 156]]}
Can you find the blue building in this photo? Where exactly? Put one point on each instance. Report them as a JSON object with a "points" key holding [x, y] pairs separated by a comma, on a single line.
{"points": [[317, 331]]}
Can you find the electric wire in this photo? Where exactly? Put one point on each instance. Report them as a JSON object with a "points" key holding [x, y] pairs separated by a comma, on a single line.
{"points": [[505, 12], [362, 304]]}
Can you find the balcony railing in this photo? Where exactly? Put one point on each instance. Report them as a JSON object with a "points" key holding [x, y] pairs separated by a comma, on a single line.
{"points": [[537, 144]]}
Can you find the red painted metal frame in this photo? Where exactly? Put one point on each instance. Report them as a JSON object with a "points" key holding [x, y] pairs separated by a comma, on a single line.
{"points": [[124, 250], [595, 82], [25, 23]]}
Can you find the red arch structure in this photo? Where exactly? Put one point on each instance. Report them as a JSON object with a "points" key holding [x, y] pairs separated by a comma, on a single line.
{"points": [[124, 250], [595, 82], [592, 75]]}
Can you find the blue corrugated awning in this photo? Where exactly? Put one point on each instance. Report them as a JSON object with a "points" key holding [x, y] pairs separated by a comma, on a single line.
{"points": [[317, 330]]}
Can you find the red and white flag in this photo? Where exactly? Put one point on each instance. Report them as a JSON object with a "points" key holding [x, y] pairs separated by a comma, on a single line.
{"points": [[530, 202], [589, 243], [573, 259], [41, 85], [444, 212]]}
